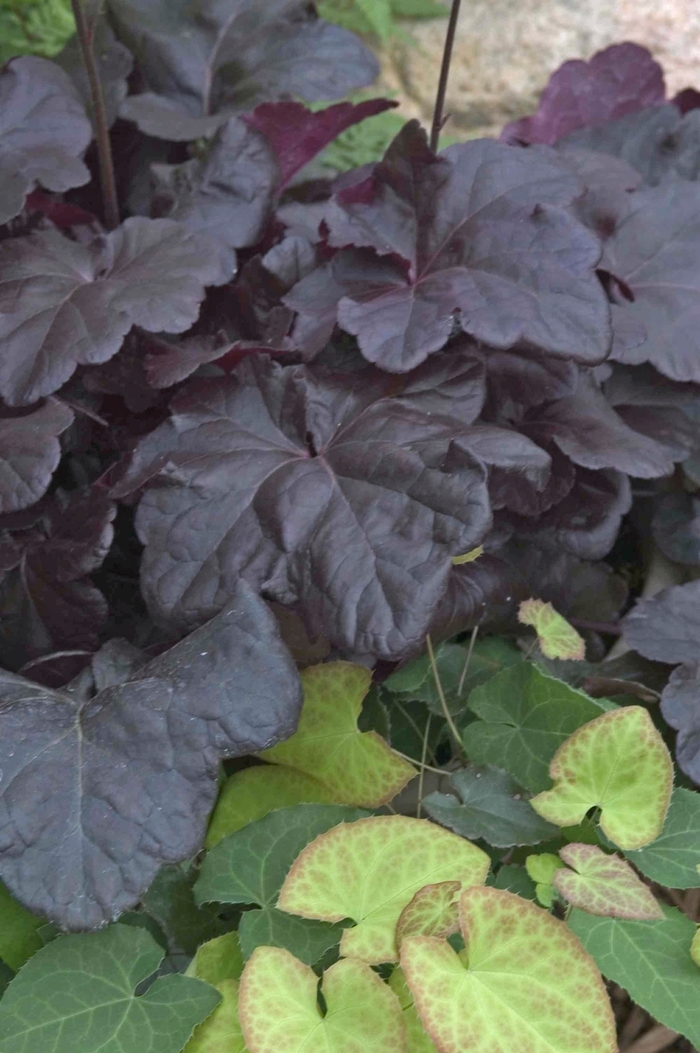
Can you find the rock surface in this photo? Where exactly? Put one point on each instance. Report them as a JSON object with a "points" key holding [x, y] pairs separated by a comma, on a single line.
{"points": [[506, 49]]}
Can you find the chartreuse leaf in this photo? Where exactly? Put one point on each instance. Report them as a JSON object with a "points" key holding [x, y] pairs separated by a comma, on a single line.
{"points": [[433, 911], [556, 637], [78, 993], [369, 871], [525, 717], [279, 1010], [673, 858], [604, 884], [18, 931], [541, 868], [619, 763], [695, 948], [250, 866], [523, 981], [219, 962], [416, 1039], [356, 767], [651, 960], [254, 792]]}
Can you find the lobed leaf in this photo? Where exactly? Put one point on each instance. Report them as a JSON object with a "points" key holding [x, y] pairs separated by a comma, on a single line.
{"points": [[665, 627], [604, 884], [29, 453], [541, 868]]}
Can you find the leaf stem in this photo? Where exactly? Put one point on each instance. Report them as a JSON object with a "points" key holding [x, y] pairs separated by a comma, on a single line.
{"points": [[441, 694], [86, 39], [424, 753], [444, 74], [419, 764], [467, 661]]}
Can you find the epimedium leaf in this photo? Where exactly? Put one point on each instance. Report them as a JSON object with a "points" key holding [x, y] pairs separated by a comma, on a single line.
{"points": [[695, 948], [127, 778], [170, 901], [541, 868], [438, 236], [489, 804], [252, 793], [666, 627], [278, 1005], [651, 960], [514, 878], [369, 870], [619, 763], [44, 132], [522, 978], [616, 81], [673, 858], [19, 937], [680, 706], [217, 960], [417, 1041], [29, 453], [525, 716], [433, 911], [82, 989], [66, 304], [357, 767], [362, 468], [603, 884], [250, 866], [557, 638], [221, 1032]]}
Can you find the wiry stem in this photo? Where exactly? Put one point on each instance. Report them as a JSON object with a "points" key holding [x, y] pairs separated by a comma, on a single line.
{"points": [[444, 74], [86, 39]]}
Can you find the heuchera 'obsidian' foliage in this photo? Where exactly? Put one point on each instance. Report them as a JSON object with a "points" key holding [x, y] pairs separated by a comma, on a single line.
{"points": [[268, 393]]}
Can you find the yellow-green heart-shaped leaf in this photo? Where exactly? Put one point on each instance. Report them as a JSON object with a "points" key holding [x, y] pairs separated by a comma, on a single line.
{"points": [[433, 911], [369, 871], [279, 1010], [221, 1032], [523, 982], [604, 884], [218, 959], [619, 763], [695, 948], [417, 1041], [542, 867], [357, 767], [556, 637], [255, 792]]}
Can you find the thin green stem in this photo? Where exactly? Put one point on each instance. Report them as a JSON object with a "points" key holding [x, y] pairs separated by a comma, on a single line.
{"points": [[421, 777], [467, 660], [444, 74], [86, 40], [418, 764], [441, 694]]}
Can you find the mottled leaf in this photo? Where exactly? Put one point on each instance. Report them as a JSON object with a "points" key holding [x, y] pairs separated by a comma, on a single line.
{"points": [[603, 884]]}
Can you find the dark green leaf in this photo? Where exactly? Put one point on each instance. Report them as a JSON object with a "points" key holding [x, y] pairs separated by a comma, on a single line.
{"points": [[673, 858], [514, 879], [306, 939], [19, 938], [170, 901]]}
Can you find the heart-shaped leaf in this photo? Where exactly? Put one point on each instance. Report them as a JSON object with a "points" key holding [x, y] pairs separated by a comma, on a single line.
{"points": [[673, 858], [78, 992], [433, 911], [417, 1041], [250, 866], [619, 763], [98, 794], [522, 982], [369, 871], [218, 960], [220, 963], [541, 868], [603, 884], [357, 767], [556, 637], [279, 1010]]}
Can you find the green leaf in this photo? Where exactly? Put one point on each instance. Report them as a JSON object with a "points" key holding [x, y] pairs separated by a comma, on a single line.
{"points": [[254, 792], [557, 639], [523, 981], [604, 884], [279, 1010], [170, 901], [525, 717], [250, 866], [369, 871], [409, 721], [672, 859], [541, 868], [651, 960], [77, 994], [19, 938], [356, 767], [695, 948], [219, 959], [39, 27], [418, 9], [433, 911], [619, 763], [221, 1032], [513, 878], [490, 805], [378, 15], [416, 1039]]}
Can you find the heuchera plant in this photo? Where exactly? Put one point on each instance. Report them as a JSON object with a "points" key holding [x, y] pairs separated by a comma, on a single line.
{"points": [[290, 470]]}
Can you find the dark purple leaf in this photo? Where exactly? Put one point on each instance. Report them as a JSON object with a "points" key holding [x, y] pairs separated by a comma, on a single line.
{"points": [[521, 495], [616, 81], [97, 795], [217, 57], [472, 232], [227, 195], [676, 527], [318, 491], [296, 134], [666, 628], [168, 363], [114, 65], [43, 132], [680, 705], [62, 214], [655, 252], [521, 378], [315, 299], [655, 406], [29, 453], [66, 304], [477, 592], [609, 182], [686, 100]]}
